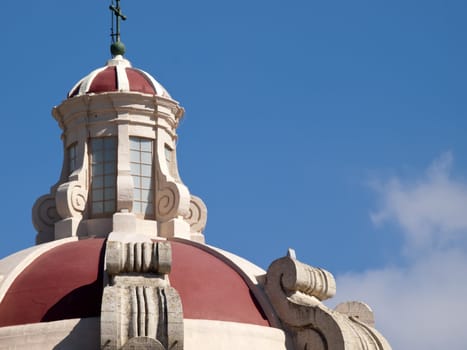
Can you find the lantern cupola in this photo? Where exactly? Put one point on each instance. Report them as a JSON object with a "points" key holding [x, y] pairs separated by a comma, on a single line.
{"points": [[120, 169]]}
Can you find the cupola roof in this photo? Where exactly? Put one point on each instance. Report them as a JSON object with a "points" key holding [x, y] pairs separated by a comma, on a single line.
{"points": [[118, 75]]}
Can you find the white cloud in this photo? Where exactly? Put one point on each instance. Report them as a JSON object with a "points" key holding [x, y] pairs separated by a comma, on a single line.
{"points": [[422, 305], [431, 211]]}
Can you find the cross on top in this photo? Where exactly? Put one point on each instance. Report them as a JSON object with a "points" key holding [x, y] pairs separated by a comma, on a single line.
{"points": [[116, 16]]}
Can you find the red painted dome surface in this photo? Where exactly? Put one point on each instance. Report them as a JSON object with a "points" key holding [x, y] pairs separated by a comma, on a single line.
{"points": [[139, 82], [67, 282], [63, 283], [210, 289], [105, 81], [118, 75]]}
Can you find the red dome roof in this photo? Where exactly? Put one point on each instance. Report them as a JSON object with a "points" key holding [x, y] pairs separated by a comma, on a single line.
{"points": [[211, 289], [66, 282], [63, 283], [118, 75]]}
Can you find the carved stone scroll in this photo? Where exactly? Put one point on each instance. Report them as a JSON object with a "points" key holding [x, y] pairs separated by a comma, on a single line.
{"points": [[139, 308], [44, 217], [71, 199], [296, 291], [310, 281], [167, 202], [198, 215]]}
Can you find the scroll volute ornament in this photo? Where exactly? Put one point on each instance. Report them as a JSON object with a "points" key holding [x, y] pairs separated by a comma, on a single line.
{"points": [[67, 199], [296, 290], [198, 215], [71, 199], [71, 196], [172, 196], [44, 217]]}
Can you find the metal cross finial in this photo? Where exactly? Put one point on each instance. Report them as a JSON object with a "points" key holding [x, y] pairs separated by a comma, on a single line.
{"points": [[116, 15]]}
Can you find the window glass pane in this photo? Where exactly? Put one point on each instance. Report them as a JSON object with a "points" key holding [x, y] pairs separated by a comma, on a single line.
{"points": [[134, 143], [141, 155], [137, 194], [136, 181], [145, 195], [72, 165], [97, 144], [109, 193], [146, 170], [98, 207], [146, 145], [134, 156], [146, 182], [109, 168], [97, 157], [109, 155], [97, 195], [109, 206], [97, 169], [109, 142], [134, 167], [168, 153], [103, 174], [109, 180], [137, 207], [146, 158], [97, 181]]}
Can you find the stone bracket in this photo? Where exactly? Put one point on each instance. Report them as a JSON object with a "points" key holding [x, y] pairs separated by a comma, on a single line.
{"points": [[140, 310], [296, 291]]}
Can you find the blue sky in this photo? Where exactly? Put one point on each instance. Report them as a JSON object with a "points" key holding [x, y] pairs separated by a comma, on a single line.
{"points": [[333, 127]]}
